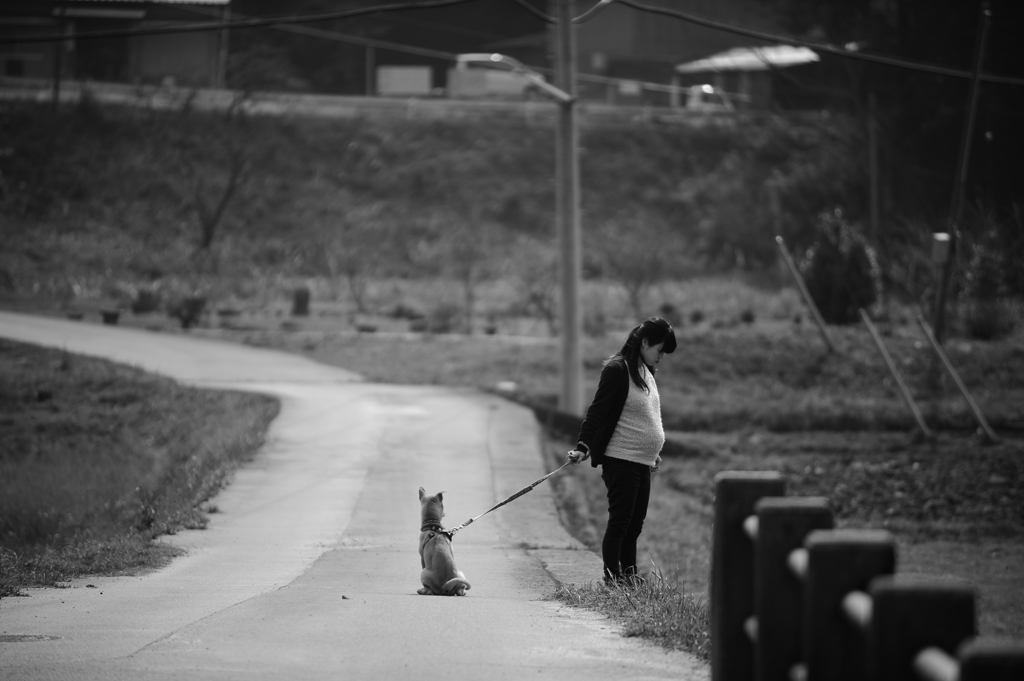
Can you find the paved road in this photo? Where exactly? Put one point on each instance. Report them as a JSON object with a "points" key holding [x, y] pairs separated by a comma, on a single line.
{"points": [[309, 570]]}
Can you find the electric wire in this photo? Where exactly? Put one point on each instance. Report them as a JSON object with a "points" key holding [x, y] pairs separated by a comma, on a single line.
{"points": [[589, 14], [535, 12], [344, 37], [593, 11], [237, 24], [820, 47]]}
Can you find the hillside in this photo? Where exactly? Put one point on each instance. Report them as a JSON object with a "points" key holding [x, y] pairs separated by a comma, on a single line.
{"points": [[123, 193], [449, 226]]}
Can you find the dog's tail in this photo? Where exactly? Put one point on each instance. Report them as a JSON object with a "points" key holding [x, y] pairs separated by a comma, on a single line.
{"points": [[456, 585]]}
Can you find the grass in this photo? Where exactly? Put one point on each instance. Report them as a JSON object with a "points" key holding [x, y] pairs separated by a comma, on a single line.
{"points": [[656, 610], [763, 395], [956, 508], [756, 395], [98, 459], [771, 374]]}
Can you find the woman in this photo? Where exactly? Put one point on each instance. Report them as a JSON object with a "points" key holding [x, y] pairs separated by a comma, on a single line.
{"points": [[623, 433]]}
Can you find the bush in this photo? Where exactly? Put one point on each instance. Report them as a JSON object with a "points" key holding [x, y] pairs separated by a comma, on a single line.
{"points": [[187, 310], [986, 320], [444, 318], [670, 313], [984, 315], [145, 300], [595, 324], [841, 270]]}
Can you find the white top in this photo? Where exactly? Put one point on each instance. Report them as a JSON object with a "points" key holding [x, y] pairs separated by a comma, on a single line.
{"points": [[639, 434]]}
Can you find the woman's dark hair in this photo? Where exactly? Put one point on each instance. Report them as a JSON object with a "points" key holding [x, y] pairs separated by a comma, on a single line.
{"points": [[655, 330]]}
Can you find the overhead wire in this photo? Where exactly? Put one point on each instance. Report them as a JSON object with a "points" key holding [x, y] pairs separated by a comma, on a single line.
{"points": [[345, 37], [535, 12], [589, 14], [236, 24], [820, 47]]}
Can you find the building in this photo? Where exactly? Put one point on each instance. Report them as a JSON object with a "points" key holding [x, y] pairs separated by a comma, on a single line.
{"points": [[634, 47], [747, 73], [190, 59]]}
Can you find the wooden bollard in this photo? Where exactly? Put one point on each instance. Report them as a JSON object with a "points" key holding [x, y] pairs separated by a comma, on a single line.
{"points": [[838, 562], [912, 614], [732, 570], [991, 660], [783, 525]]}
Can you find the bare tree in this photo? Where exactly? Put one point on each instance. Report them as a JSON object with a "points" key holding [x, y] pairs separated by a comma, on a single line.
{"points": [[637, 250], [534, 265], [213, 158], [466, 247], [354, 248]]}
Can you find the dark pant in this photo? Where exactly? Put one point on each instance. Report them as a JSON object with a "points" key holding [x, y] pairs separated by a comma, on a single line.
{"points": [[629, 490]]}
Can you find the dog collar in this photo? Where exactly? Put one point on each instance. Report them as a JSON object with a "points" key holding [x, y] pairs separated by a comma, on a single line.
{"points": [[435, 527]]}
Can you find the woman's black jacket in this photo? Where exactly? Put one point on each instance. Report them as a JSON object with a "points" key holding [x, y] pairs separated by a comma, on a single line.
{"points": [[604, 412]]}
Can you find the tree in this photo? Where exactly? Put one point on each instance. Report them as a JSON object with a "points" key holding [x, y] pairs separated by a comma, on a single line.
{"points": [[841, 270], [534, 265], [636, 249], [354, 249], [466, 247], [213, 158], [922, 114]]}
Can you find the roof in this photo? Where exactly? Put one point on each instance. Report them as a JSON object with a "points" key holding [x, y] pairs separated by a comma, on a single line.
{"points": [[751, 59], [161, 2]]}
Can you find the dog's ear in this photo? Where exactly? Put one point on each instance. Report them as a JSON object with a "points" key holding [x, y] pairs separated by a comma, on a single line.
{"points": [[422, 492], [440, 496]]}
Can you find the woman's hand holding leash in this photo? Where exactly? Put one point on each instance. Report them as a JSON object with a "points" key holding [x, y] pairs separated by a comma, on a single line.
{"points": [[575, 456]]}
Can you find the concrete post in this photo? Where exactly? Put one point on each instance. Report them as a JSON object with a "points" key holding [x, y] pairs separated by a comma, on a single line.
{"points": [[991, 660], [732, 570], [912, 614], [839, 561], [783, 524]]}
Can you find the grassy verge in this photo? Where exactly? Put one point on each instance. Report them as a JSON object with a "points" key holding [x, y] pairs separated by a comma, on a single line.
{"points": [[98, 459], [656, 610]]}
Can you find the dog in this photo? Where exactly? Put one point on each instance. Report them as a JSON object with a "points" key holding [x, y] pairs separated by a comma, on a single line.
{"points": [[439, 575]]}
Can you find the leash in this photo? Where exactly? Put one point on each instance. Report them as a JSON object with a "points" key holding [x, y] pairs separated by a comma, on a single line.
{"points": [[451, 532]]}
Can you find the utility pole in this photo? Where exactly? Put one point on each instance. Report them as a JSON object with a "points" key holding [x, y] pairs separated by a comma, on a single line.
{"points": [[369, 65], [873, 166], [568, 206], [58, 57], [222, 52], [957, 202]]}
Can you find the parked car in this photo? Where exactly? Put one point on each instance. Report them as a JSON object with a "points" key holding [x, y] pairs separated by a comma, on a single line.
{"points": [[474, 77], [708, 98]]}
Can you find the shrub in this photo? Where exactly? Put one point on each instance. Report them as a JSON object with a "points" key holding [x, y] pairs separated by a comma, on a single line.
{"points": [[444, 318], [595, 324], [403, 311], [670, 313], [187, 310], [983, 314], [696, 317], [841, 270], [145, 300]]}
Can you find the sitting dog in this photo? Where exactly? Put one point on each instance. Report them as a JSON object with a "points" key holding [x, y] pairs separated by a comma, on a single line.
{"points": [[439, 576]]}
